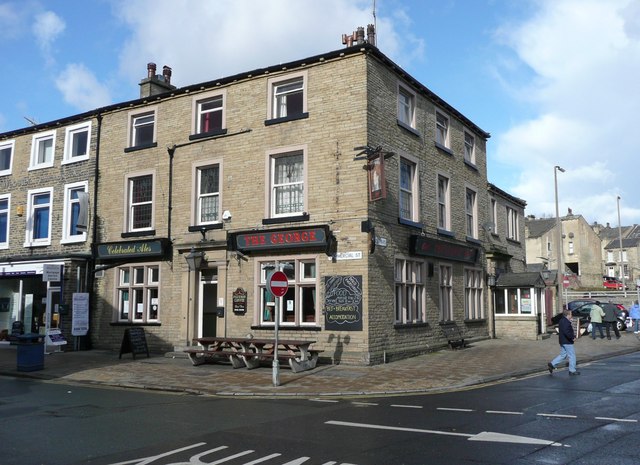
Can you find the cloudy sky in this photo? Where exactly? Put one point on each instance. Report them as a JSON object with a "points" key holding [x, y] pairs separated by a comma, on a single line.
{"points": [[555, 82]]}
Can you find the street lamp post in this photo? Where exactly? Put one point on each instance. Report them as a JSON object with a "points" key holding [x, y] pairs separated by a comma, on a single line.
{"points": [[624, 287], [560, 278]]}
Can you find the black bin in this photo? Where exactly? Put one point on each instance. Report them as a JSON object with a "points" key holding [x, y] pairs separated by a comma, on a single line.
{"points": [[30, 352]]}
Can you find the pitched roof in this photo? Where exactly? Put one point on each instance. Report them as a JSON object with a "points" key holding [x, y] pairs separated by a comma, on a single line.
{"points": [[526, 279], [538, 227]]}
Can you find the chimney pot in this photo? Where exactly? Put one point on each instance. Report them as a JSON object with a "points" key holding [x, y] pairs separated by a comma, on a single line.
{"points": [[166, 74], [360, 35], [151, 70]]}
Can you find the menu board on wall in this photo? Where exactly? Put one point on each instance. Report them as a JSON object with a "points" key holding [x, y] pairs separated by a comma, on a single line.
{"points": [[343, 303]]}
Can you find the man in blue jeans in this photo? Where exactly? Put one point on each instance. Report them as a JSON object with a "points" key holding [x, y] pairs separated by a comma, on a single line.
{"points": [[566, 338]]}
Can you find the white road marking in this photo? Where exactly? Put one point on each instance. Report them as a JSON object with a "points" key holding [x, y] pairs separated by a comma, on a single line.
{"points": [[331, 401], [263, 459], [455, 409], [556, 415], [502, 412], [617, 419], [365, 403], [406, 406], [486, 436], [147, 460]]}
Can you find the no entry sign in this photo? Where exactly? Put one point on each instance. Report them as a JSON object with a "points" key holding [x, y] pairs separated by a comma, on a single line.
{"points": [[278, 284]]}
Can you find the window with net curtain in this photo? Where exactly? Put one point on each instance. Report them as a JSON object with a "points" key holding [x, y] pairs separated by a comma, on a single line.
{"points": [[287, 192], [209, 194], [288, 98]]}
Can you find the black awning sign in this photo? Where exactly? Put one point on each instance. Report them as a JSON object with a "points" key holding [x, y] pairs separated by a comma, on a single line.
{"points": [[440, 249]]}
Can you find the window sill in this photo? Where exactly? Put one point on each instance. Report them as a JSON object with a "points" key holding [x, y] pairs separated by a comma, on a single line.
{"points": [[204, 135], [270, 122], [140, 147], [444, 149], [402, 326], [40, 167], [73, 241], [149, 232], [475, 320], [68, 161], [471, 165], [286, 219], [408, 128], [514, 241], [286, 327], [205, 227], [135, 323], [37, 244], [445, 232], [473, 240], [410, 223]]}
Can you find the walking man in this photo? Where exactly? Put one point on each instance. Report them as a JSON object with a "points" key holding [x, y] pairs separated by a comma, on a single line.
{"points": [[566, 338], [611, 320], [595, 316]]}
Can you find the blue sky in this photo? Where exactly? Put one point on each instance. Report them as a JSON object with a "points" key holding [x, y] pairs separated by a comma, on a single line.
{"points": [[555, 82]]}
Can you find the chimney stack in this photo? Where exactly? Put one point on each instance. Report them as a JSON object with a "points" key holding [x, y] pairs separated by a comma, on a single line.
{"points": [[155, 84], [371, 34], [360, 35], [357, 36]]}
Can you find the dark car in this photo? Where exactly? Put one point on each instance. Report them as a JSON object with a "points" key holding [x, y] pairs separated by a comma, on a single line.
{"points": [[583, 312]]}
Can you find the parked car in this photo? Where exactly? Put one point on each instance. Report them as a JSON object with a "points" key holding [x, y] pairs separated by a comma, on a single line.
{"points": [[583, 311], [611, 282]]}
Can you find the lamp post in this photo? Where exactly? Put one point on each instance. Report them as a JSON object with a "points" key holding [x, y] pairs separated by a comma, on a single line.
{"points": [[560, 278], [624, 287], [194, 261]]}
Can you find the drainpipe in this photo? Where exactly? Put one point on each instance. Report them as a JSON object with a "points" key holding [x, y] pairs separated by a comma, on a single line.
{"points": [[171, 151]]}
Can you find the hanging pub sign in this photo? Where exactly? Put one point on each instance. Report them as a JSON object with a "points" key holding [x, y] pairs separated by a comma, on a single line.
{"points": [[292, 238], [343, 303], [377, 182], [434, 248], [239, 297]]}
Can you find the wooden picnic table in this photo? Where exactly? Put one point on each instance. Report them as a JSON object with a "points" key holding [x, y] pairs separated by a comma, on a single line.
{"points": [[250, 352]]}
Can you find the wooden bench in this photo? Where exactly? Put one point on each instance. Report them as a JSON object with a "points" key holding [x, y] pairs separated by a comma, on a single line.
{"points": [[455, 338], [253, 359], [200, 356]]}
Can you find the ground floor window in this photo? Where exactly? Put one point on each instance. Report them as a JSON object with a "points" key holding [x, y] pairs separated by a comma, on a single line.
{"points": [[514, 301], [473, 295], [409, 284], [446, 292], [138, 298], [299, 305]]}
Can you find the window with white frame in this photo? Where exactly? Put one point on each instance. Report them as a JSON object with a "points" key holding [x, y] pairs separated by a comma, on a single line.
{"points": [[410, 294], [71, 212], [471, 212], [5, 208], [140, 203], [442, 129], [6, 157], [623, 257], [287, 96], [443, 203], [408, 195], [473, 294], [469, 148], [208, 197], [299, 305], [513, 231], [445, 292], [42, 150], [210, 114], [137, 293], [39, 204], [76, 142], [571, 252], [142, 131], [287, 196], [609, 256], [406, 107], [513, 301]]}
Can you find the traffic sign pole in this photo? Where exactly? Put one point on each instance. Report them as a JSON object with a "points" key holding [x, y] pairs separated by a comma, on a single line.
{"points": [[278, 285]]}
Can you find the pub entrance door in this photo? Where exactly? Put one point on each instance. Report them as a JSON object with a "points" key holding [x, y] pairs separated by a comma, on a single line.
{"points": [[207, 303]]}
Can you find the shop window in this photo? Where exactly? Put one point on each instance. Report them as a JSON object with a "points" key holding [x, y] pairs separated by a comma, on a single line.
{"points": [[514, 301], [299, 305], [76, 142], [473, 294], [5, 208], [446, 293], [138, 298], [42, 150], [6, 157], [287, 196], [410, 295]]}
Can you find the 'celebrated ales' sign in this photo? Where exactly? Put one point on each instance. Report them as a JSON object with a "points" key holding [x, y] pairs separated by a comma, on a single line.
{"points": [[133, 249]]}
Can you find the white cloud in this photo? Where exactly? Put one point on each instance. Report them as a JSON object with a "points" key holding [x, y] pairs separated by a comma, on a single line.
{"points": [[585, 57], [81, 89], [47, 27]]}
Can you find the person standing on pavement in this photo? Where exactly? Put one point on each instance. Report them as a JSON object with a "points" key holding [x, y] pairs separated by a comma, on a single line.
{"points": [[634, 314], [610, 320], [566, 338], [595, 316]]}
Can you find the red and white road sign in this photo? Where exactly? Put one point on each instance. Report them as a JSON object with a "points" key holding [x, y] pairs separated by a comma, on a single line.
{"points": [[565, 282], [278, 284]]}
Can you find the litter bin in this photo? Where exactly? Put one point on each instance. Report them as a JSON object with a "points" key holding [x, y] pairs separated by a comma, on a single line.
{"points": [[30, 351]]}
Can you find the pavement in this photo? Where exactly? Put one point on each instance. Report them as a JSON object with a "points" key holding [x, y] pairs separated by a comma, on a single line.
{"points": [[484, 361]]}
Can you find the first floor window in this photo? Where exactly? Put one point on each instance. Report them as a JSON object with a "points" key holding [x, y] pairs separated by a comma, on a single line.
{"points": [[208, 194], [138, 298], [409, 284], [446, 293], [72, 207], [4, 221], [470, 210], [140, 202], [473, 295], [39, 217], [513, 232], [408, 190], [287, 181], [299, 305], [443, 203]]}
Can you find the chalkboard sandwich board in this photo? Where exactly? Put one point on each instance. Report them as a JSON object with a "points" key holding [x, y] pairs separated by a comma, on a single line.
{"points": [[134, 342]]}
